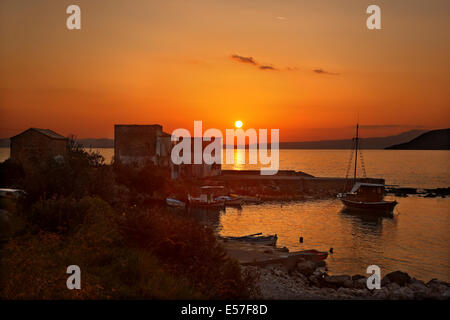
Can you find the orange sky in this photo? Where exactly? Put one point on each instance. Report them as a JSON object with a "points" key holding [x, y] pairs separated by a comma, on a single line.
{"points": [[170, 62]]}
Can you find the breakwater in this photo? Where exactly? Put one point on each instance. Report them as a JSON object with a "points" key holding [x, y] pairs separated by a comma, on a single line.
{"points": [[286, 184]]}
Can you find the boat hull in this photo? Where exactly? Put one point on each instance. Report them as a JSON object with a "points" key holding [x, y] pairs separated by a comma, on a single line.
{"points": [[207, 205], [234, 202], [175, 203], [311, 254], [230, 201], [263, 240], [373, 207]]}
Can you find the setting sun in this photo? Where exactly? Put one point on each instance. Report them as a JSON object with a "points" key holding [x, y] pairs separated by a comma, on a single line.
{"points": [[238, 124]]}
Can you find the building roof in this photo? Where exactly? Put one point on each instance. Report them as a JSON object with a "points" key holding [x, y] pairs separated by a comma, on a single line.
{"points": [[47, 132], [139, 125], [364, 184], [165, 134]]}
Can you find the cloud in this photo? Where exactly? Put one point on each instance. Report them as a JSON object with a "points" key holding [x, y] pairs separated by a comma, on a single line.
{"points": [[250, 60], [321, 71], [282, 18], [243, 59], [267, 68]]}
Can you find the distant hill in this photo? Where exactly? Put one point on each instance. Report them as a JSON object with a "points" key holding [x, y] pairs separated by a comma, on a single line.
{"points": [[365, 143], [431, 140], [4, 143], [87, 143], [97, 143]]}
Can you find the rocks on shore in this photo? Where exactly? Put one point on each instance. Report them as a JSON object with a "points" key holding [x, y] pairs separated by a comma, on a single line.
{"points": [[427, 193], [309, 280]]}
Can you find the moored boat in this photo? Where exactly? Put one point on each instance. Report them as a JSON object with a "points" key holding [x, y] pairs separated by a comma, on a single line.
{"points": [[206, 199], [230, 200], [270, 240], [175, 203], [195, 203], [248, 199], [311, 254], [365, 197]]}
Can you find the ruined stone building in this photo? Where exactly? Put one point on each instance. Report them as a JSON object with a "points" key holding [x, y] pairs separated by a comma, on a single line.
{"points": [[196, 171], [142, 144], [35, 145]]}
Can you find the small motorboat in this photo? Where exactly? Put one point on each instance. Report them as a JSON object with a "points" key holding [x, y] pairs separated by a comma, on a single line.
{"points": [[258, 238], [248, 199], [205, 201], [175, 203], [230, 200], [207, 198], [311, 254]]}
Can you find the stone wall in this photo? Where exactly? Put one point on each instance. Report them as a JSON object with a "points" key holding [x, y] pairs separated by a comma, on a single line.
{"points": [[137, 143], [286, 185]]}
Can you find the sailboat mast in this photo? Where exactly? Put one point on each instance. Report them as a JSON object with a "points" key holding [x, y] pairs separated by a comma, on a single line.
{"points": [[356, 151]]}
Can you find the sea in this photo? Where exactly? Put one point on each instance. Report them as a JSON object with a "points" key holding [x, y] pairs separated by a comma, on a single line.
{"points": [[415, 240]]}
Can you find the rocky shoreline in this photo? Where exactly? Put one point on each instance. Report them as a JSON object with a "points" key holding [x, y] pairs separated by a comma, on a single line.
{"points": [[308, 280]]}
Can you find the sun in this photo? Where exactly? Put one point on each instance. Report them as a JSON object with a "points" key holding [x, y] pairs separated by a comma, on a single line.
{"points": [[238, 124]]}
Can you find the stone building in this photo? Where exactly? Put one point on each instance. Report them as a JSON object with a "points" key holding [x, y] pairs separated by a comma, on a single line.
{"points": [[196, 171], [34, 145], [142, 144]]}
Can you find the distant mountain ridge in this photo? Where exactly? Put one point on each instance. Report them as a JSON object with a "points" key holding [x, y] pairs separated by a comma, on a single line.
{"points": [[87, 143], [366, 143], [431, 140], [97, 143]]}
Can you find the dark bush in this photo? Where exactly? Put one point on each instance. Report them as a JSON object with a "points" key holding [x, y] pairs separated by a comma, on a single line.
{"points": [[187, 249], [144, 179], [34, 265], [80, 174], [11, 174], [61, 215]]}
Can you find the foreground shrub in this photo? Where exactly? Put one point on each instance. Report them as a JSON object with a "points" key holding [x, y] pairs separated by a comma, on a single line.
{"points": [[58, 215], [34, 266], [80, 174], [187, 249], [11, 174], [141, 179]]}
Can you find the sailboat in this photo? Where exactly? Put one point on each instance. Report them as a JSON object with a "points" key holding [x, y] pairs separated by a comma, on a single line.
{"points": [[365, 197]]}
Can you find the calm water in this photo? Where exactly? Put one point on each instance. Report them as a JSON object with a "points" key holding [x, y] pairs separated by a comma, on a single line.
{"points": [[415, 240], [414, 168]]}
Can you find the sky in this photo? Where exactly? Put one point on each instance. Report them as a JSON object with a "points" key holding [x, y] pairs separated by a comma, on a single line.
{"points": [[309, 68]]}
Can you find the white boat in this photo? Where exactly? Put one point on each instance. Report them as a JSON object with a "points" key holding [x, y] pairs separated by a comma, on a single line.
{"points": [[175, 203], [13, 193], [207, 199]]}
